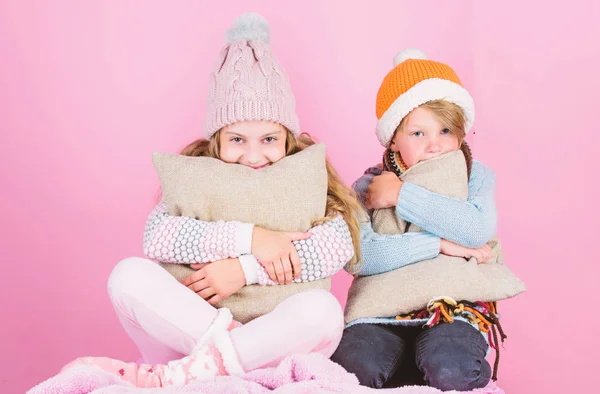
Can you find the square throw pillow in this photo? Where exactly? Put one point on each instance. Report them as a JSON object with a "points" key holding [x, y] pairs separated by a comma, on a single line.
{"points": [[411, 287], [286, 196]]}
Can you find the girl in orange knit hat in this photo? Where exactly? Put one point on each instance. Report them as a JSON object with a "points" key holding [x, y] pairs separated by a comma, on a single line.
{"points": [[423, 112]]}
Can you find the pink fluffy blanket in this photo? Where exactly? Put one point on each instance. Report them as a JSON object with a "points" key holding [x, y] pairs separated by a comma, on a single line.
{"points": [[311, 373]]}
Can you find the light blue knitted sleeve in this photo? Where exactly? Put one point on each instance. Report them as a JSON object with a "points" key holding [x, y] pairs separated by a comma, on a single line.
{"points": [[382, 253], [470, 223]]}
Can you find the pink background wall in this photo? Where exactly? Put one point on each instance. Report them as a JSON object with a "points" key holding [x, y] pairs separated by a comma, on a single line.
{"points": [[89, 89]]}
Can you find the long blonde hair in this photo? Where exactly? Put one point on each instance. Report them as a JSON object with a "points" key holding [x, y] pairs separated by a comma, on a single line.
{"points": [[341, 200]]}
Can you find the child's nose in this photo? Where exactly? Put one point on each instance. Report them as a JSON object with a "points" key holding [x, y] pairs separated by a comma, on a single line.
{"points": [[253, 156], [434, 146]]}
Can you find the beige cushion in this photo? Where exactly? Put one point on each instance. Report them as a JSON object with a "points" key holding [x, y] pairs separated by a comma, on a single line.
{"points": [[410, 288], [446, 174], [286, 196]]}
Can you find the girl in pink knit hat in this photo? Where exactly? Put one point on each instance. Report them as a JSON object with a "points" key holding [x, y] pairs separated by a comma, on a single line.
{"points": [[251, 120]]}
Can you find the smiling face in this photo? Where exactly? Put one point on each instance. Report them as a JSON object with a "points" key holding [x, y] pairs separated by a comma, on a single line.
{"points": [[255, 144]]}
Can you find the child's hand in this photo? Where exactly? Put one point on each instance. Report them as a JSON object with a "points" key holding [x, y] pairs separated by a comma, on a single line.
{"points": [[284, 271], [276, 252], [482, 254], [383, 191], [216, 281]]}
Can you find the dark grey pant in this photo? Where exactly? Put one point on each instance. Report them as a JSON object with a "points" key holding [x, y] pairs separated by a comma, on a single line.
{"points": [[446, 356]]}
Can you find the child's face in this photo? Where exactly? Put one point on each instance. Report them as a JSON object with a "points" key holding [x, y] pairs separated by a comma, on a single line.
{"points": [[423, 137], [255, 144]]}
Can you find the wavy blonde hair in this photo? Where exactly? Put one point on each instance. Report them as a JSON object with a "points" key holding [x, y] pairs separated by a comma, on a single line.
{"points": [[341, 200]]}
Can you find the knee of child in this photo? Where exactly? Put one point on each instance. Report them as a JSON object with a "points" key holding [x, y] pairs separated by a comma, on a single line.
{"points": [[125, 274], [459, 376], [321, 308]]}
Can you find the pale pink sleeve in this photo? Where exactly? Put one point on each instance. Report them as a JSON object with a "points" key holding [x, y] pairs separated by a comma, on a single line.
{"points": [[326, 252], [179, 239]]}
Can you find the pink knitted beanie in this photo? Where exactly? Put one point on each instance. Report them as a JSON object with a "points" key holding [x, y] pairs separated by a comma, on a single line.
{"points": [[249, 83]]}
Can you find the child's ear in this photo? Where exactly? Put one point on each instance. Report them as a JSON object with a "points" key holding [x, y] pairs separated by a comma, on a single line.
{"points": [[392, 145]]}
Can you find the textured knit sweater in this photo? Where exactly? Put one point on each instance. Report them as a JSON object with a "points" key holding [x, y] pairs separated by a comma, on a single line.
{"points": [[179, 239], [469, 223]]}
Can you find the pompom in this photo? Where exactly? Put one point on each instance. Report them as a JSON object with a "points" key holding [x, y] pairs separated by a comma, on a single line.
{"points": [[248, 27], [409, 53]]}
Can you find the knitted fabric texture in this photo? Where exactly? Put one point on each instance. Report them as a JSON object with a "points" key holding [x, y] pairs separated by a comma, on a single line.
{"points": [[214, 355], [218, 193], [414, 81], [483, 315], [248, 82], [379, 296]]}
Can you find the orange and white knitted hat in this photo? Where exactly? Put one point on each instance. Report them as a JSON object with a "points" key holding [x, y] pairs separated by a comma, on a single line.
{"points": [[413, 81]]}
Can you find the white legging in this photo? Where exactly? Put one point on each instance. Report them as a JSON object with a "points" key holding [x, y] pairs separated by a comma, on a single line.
{"points": [[165, 319]]}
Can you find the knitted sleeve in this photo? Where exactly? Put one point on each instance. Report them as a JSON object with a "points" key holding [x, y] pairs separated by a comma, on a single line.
{"points": [[383, 253], [470, 223], [328, 250], [179, 239]]}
